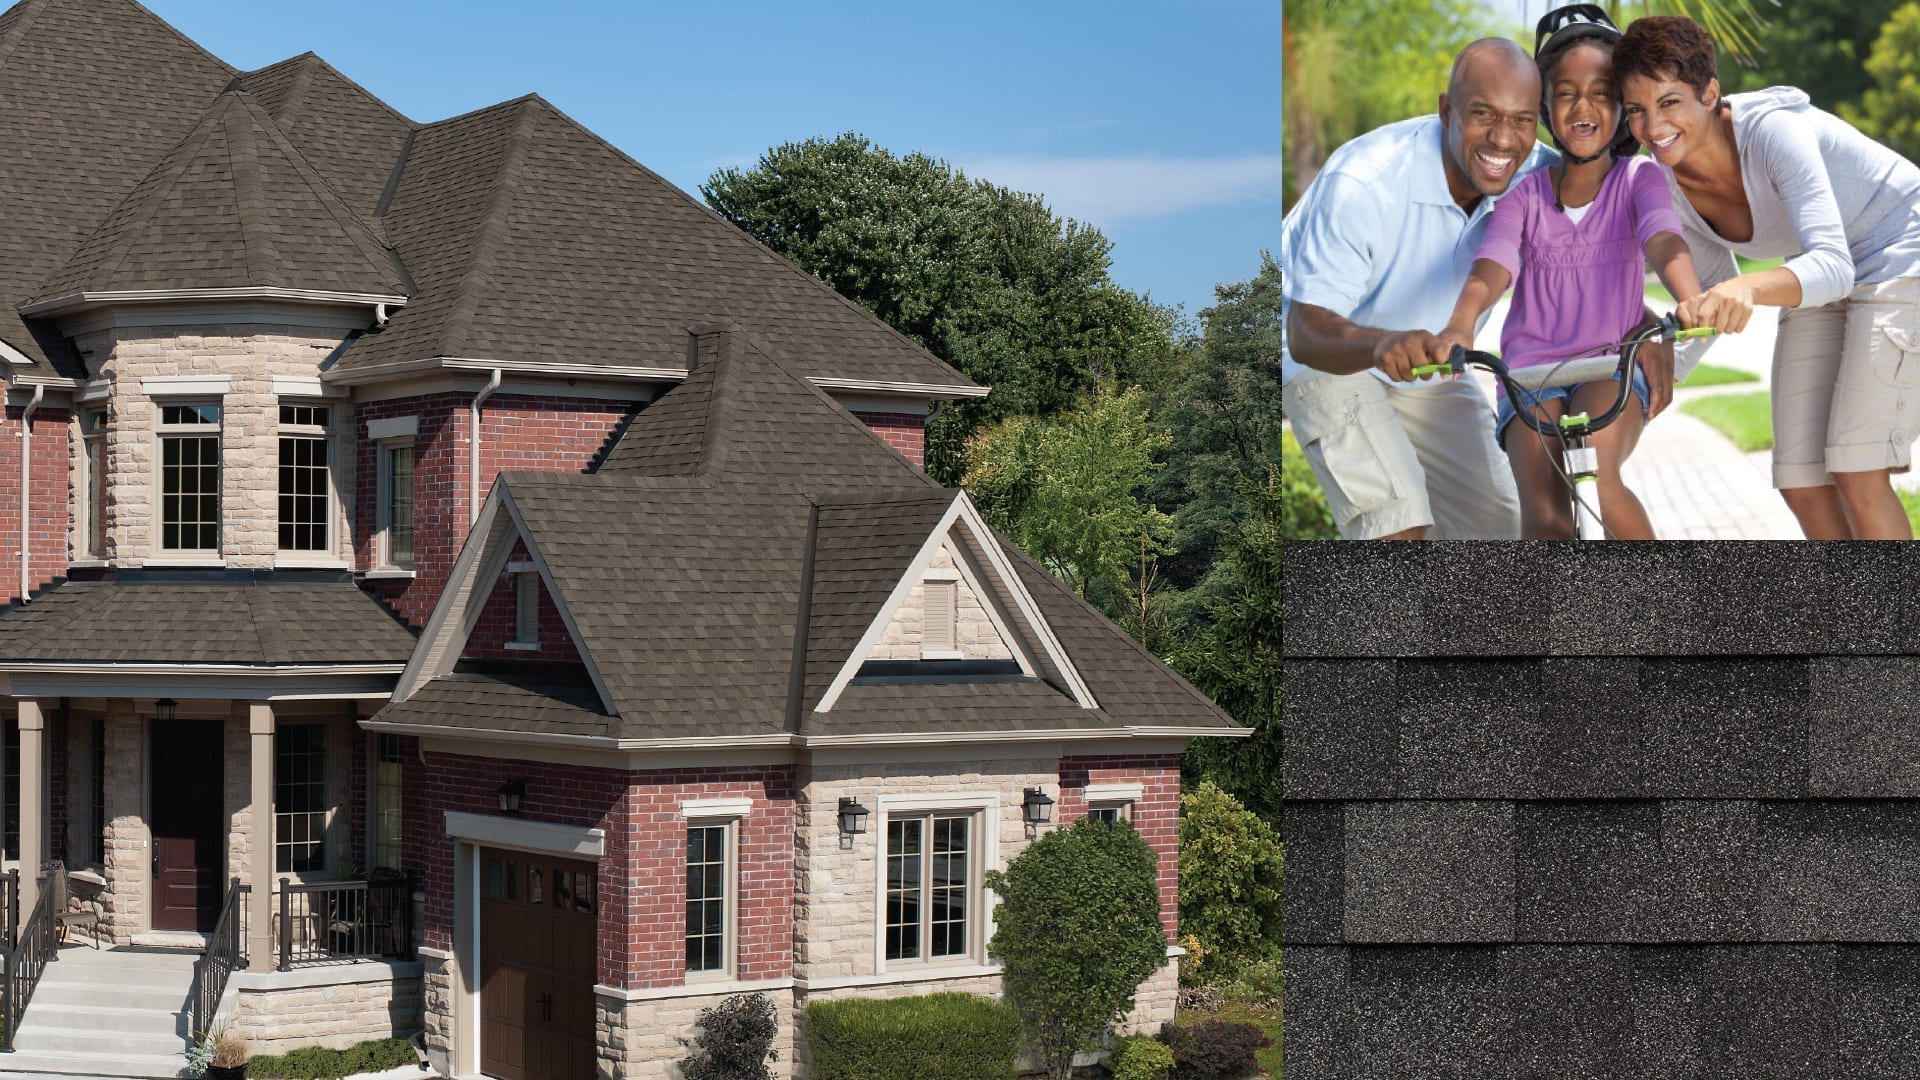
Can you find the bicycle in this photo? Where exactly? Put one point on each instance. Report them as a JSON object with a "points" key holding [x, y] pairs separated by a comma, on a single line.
{"points": [[1582, 466]]}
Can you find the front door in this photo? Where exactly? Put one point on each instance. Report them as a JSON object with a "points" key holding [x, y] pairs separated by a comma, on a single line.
{"points": [[536, 967], [187, 848]]}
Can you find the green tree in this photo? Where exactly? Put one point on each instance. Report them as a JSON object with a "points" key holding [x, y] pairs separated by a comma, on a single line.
{"points": [[1230, 871], [1077, 931], [1890, 110], [1069, 490], [1235, 658], [1821, 47], [986, 278]]}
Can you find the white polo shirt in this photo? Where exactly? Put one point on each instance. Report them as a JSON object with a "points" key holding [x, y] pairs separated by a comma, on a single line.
{"points": [[1377, 237]]}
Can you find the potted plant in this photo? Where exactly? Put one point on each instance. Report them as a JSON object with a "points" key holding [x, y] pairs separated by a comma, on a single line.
{"points": [[226, 1055]]}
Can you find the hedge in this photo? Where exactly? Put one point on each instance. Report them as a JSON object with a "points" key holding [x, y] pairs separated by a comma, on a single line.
{"points": [[933, 1037]]}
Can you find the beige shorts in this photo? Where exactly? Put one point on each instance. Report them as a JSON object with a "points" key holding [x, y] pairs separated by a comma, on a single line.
{"points": [[1846, 385], [1392, 458]]}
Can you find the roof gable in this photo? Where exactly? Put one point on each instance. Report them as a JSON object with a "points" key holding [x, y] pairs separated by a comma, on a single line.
{"points": [[845, 592], [232, 206]]}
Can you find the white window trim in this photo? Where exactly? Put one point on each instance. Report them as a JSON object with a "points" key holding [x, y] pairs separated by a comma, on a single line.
{"points": [[327, 556], [202, 386], [730, 920], [384, 565], [1112, 793], [525, 576], [716, 808], [985, 807], [161, 432], [95, 440]]}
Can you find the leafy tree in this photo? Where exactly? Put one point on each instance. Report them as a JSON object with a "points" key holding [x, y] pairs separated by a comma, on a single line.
{"points": [[1890, 110], [1077, 931], [1235, 659], [1068, 490], [1820, 47], [986, 278], [1230, 871]]}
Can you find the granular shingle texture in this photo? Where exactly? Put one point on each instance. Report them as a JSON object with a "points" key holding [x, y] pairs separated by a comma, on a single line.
{"points": [[224, 623], [1674, 831]]}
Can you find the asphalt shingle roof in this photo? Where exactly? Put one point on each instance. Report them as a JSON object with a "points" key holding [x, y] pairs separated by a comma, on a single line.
{"points": [[223, 623], [475, 700]]}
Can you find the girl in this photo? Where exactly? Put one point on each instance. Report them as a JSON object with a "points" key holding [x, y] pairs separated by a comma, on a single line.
{"points": [[1569, 238]]}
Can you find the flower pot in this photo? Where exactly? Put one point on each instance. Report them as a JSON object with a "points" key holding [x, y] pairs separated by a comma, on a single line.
{"points": [[226, 1072]]}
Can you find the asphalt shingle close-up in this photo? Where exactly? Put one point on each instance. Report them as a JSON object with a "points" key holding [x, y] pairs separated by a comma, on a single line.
{"points": [[1672, 828]]}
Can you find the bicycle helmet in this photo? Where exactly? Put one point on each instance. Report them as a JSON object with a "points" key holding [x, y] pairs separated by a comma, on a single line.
{"points": [[1556, 32]]}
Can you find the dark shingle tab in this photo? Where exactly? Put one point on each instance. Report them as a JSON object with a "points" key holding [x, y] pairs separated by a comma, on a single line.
{"points": [[485, 703]]}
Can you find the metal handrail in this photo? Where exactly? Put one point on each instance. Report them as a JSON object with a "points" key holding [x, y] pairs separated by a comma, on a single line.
{"points": [[344, 920], [222, 956], [10, 929], [39, 941]]}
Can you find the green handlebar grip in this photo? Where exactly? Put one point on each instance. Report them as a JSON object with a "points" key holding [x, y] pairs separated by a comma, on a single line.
{"points": [[1698, 331], [1432, 369]]}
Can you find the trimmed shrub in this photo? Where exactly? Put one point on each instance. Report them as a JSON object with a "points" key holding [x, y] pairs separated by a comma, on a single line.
{"points": [[735, 1042], [1214, 1049], [323, 1063], [934, 1037], [1077, 931], [1230, 869], [1140, 1057]]}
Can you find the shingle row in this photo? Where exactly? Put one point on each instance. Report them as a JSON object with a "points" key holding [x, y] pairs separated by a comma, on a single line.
{"points": [[1757, 1012], [1490, 599], [1602, 727], [1627, 871]]}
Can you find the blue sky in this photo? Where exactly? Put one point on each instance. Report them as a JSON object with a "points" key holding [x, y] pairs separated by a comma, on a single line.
{"points": [[1157, 123]]}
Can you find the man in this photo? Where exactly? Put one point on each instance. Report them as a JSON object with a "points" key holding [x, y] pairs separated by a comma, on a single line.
{"points": [[1373, 257]]}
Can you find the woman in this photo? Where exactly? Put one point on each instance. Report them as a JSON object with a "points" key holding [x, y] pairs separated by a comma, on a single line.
{"points": [[1766, 175]]}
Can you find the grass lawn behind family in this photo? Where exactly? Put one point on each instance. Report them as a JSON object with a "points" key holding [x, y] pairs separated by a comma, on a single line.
{"points": [[1715, 375], [1746, 419]]}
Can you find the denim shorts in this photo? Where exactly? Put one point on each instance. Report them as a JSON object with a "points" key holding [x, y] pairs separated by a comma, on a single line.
{"points": [[1505, 410]]}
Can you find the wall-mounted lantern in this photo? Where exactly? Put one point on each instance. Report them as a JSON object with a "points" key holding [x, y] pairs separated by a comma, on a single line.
{"points": [[511, 794], [1036, 809], [853, 820]]}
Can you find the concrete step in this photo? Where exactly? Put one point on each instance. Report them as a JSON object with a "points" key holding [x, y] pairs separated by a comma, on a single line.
{"points": [[101, 1064], [116, 1017], [166, 997], [38, 1035]]}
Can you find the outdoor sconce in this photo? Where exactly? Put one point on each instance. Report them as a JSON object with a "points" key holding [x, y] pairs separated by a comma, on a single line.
{"points": [[163, 708], [511, 793], [853, 820], [1036, 809]]}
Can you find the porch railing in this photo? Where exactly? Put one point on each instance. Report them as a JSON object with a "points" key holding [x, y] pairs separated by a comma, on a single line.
{"points": [[10, 928], [344, 920], [224, 951], [23, 963]]}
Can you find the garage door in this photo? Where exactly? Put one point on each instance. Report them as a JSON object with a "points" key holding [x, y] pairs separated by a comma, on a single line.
{"points": [[536, 967]]}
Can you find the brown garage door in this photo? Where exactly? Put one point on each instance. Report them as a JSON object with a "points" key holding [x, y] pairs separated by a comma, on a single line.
{"points": [[536, 967]]}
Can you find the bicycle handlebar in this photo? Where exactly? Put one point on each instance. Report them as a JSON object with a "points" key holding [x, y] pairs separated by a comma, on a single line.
{"points": [[1567, 373]]}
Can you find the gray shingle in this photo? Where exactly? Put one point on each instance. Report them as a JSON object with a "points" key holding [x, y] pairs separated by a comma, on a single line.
{"points": [[1315, 835], [1571, 1007], [1726, 728], [1429, 872], [1589, 729], [1876, 1011], [1751, 1011], [1586, 871], [1340, 735], [1318, 1045], [1466, 728], [1439, 1012], [1863, 742]]}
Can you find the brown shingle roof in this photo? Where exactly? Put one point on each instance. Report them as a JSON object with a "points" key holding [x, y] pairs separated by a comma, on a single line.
{"points": [[205, 623], [92, 93], [233, 205], [490, 702], [351, 137]]}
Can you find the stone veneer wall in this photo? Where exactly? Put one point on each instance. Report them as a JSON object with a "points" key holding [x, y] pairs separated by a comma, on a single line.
{"points": [[250, 355], [646, 1039], [1602, 810], [337, 1006], [973, 632]]}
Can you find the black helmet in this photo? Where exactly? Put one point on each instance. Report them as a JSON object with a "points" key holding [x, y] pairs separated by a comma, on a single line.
{"points": [[1557, 30]]}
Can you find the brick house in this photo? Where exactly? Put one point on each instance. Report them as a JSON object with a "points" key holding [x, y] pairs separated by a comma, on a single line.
{"points": [[464, 502]]}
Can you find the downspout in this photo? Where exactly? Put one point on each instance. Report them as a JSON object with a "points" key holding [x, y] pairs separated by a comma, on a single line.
{"points": [[26, 482], [473, 442]]}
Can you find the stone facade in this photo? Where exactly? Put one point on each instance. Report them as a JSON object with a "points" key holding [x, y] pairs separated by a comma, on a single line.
{"points": [[974, 635], [135, 361], [337, 1006], [646, 1038]]}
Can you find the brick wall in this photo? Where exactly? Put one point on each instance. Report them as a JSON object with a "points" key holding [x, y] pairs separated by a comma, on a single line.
{"points": [[905, 432], [517, 432], [495, 627], [642, 889], [48, 489], [1156, 817]]}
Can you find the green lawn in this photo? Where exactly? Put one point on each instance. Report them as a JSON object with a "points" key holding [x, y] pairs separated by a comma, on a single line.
{"points": [[1657, 291], [1747, 419], [1910, 500], [1715, 375]]}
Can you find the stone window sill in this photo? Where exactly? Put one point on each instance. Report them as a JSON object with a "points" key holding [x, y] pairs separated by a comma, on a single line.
{"points": [[388, 574]]}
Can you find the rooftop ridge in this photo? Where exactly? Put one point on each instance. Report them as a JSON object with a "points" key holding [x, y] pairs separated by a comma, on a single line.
{"points": [[351, 224], [454, 324], [23, 15]]}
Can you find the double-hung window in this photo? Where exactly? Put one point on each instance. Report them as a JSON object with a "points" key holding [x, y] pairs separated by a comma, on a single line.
{"points": [[300, 798], [387, 779], [712, 894], [91, 534], [304, 478], [190, 478], [395, 515]]}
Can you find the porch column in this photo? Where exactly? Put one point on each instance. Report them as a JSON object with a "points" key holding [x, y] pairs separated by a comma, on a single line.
{"points": [[33, 796], [260, 850]]}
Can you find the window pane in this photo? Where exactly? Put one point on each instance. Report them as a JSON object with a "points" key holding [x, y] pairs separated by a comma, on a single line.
{"points": [[190, 491], [706, 897], [400, 505], [388, 773], [303, 492], [300, 798]]}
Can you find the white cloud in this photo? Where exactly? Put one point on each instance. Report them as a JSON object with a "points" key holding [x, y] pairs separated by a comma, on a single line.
{"points": [[1103, 191]]}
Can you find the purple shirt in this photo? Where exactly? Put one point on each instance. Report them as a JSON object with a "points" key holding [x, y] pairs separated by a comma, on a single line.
{"points": [[1576, 287]]}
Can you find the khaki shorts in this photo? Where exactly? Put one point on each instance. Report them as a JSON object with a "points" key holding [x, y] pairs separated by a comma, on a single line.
{"points": [[1392, 458], [1846, 385]]}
